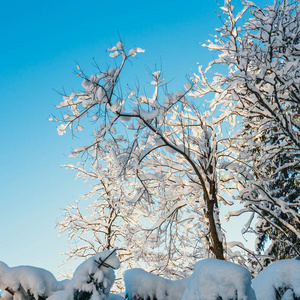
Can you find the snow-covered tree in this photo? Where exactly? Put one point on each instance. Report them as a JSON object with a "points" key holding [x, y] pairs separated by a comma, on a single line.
{"points": [[99, 220], [165, 152], [168, 166], [260, 91]]}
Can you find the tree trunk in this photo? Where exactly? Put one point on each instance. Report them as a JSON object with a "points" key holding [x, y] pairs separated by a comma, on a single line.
{"points": [[217, 245]]}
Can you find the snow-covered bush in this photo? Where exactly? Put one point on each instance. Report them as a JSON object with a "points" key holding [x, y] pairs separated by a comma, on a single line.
{"points": [[95, 276], [92, 280], [280, 280], [143, 285], [25, 282], [214, 279]]}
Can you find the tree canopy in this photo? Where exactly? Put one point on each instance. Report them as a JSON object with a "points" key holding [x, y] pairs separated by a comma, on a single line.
{"points": [[161, 167]]}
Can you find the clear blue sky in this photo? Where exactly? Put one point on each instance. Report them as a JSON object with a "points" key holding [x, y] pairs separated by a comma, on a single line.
{"points": [[39, 44]]}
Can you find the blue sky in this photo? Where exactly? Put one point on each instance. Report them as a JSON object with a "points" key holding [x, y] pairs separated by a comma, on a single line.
{"points": [[40, 43]]}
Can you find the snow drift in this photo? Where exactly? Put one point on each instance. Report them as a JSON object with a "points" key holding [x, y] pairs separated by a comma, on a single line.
{"points": [[279, 280], [143, 285], [218, 279]]}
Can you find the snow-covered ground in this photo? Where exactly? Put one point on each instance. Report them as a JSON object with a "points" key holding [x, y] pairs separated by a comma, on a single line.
{"points": [[212, 279]]}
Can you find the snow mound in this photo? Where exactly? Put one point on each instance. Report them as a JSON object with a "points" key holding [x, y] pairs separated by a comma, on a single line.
{"points": [[92, 280], [96, 275], [218, 279], [140, 284], [282, 277], [24, 279]]}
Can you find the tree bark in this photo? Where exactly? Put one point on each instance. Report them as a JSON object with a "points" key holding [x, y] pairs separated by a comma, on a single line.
{"points": [[217, 245]]}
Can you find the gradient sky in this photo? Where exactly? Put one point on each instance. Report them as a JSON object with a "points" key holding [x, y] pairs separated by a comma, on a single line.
{"points": [[40, 43]]}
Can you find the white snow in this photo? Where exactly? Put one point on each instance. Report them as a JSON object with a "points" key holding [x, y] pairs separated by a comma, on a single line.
{"points": [[62, 295], [134, 51], [98, 270], [282, 274], [214, 278], [288, 295], [6, 296], [95, 276], [144, 285], [64, 284], [38, 281]]}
